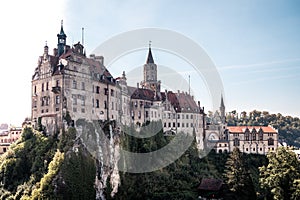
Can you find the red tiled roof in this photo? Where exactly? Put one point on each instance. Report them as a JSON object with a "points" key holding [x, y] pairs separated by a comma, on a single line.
{"points": [[141, 93], [241, 129], [210, 184], [182, 102]]}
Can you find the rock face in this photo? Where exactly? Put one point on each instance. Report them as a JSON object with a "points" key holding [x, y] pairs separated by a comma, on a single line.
{"points": [[102, 141]]}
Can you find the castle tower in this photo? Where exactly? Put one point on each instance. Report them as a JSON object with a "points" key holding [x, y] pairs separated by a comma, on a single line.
{"points": [[61, 40], [222, 110], [150, 73]]}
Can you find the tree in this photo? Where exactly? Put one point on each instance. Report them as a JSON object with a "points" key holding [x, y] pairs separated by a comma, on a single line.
{"points": [[238, 178], [279, 176]]}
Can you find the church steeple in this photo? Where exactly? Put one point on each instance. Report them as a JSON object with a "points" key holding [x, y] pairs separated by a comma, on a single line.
{"points": [[61, 40], [150, 57], [222, 109], [150, 73]]}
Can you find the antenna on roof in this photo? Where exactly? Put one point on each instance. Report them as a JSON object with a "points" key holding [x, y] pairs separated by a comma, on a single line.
{"points": [[82, 36], [189, 85]]}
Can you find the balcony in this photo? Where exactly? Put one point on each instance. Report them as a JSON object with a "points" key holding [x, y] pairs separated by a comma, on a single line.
{"points": [[56, 89]]}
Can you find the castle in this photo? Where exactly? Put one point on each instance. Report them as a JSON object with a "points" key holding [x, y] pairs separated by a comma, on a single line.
{"points": [[69, 85]]}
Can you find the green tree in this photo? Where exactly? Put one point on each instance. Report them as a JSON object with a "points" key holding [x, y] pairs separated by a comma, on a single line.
{"points": [[238, 178], [279, 177]]}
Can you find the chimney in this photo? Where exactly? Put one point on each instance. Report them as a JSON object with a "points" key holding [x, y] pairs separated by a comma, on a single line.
{"points": [[137, 85], [92, 56], [100, 59]]}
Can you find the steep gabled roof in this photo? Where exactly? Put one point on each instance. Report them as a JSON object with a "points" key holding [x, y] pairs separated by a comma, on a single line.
{"points": [[141, 93], [182, 102]]}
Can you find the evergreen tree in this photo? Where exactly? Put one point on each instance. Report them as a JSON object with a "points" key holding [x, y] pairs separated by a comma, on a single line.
{"points": [[281, 174], [238, 178]]}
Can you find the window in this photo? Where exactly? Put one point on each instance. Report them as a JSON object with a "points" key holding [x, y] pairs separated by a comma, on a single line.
{"points": [[112, 105], [57, 99], [187, 116], [112, 93], [247, 149], [74, 84], [182, 124], [178, 124], [261, 136], [93, 102], [191, 116], [35, 89], [147, 115], [270, 141], [247, 136], [182, 116], [174, 124], [82, 86], [47, 86], [97, 103], [42, 87], [47, 100], [105, 91], [74, 109], [187, 124], [165, 124], [74, 99], [178, 116], [82, 100], [97, 89], [254, 136], [169, 115], [236, 142], [57, 83], [169, 124], [82, 110], [105, 105]]}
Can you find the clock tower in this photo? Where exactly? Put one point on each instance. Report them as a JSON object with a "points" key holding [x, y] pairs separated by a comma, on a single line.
{"points": [[150, 74], [61, 40]]}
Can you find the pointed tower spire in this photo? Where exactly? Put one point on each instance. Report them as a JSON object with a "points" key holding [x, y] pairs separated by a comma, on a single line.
{"points": [[150, 57], [222, 109], [61, 37]]}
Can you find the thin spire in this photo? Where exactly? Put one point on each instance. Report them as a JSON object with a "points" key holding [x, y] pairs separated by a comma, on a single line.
{"points": [[82, 36], [150, 57], [222, 101], [61, 28]]}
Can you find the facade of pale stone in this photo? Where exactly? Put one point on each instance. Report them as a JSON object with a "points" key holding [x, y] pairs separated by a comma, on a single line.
{"points": [[253, 139], [8, 137], [68, 84]]}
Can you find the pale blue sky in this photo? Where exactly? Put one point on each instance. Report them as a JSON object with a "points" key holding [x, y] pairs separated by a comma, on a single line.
{"points": [[255, 44]]}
